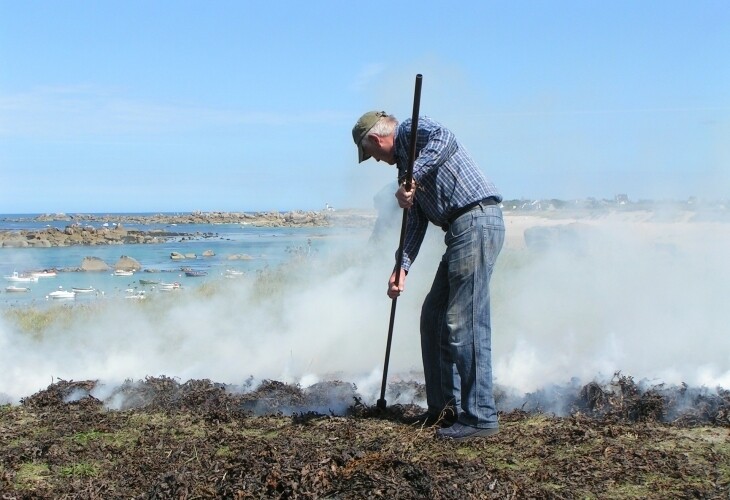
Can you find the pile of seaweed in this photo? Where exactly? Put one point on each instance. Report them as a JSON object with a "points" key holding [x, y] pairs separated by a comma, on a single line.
{"points": [[162, 438]]}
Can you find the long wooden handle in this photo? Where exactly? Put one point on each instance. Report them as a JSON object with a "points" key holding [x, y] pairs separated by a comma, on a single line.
{"points": [[414, 130], [409, 170], [408, 181]]}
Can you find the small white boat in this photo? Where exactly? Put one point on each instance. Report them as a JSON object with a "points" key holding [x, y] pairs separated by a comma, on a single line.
{"points": [[121, 272], [232, 273], [88, 289], [21, 278], [135, 295], [44, 274], [61, 294], [13, 288], [166, 287], [193, 273]]}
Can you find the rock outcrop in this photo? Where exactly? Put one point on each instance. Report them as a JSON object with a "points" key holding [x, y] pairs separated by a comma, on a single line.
{"points": [[272, 218], [127, 264], [82, 235], [112, 230], [93, 264]]}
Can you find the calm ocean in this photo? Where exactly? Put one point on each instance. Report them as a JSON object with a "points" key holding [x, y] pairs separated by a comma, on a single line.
{"points": [[267, 247]]}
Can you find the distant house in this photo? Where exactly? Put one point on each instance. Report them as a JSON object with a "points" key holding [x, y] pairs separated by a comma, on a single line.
{"points": [[527, 204]]}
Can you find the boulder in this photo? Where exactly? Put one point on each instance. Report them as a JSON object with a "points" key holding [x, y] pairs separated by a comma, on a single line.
{"points": [[94, 264], [41, 243], [177, 256], [240, 256], [568, 237], [127, 264], [15, 241]]}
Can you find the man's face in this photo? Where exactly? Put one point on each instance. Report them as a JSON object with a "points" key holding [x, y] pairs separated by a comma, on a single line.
{"points": [[380, 148]]}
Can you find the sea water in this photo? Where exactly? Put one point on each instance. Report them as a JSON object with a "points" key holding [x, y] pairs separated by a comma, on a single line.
{"points": [[236, 249]]}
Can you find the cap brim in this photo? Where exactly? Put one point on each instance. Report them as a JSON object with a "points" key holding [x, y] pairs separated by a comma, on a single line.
{"points": [[361, 156]]}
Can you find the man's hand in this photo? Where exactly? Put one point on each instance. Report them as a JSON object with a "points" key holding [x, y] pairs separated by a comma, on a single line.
{"points": [[393, 290], [406, 198]]}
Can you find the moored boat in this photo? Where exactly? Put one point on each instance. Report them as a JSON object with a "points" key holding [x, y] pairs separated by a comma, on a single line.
{"points": [[195, 273], [46, 273], [13, 288], [87, 289], [136, 295], [122, 272], [165, 287], [21, 278], [62, 294]]}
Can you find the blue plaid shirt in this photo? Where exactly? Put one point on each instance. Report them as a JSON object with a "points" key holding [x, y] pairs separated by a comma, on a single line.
{"points": [[446, 176]]}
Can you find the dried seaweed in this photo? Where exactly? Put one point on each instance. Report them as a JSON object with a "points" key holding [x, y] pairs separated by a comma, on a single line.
{"points": [[200, 439]]}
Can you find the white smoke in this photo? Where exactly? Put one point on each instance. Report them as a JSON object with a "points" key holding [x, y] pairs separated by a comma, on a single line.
{"points": [[644, 298], [319, 318]]}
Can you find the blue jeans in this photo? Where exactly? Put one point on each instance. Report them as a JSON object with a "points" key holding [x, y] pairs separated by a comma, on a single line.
{"points": [[456, 335]]}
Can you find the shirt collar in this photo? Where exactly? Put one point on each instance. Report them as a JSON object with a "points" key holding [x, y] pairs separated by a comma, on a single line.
{"points": [[396, 149]]}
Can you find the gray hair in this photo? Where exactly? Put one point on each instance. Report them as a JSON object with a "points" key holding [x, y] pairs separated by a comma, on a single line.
{"points": [[382, 128]]}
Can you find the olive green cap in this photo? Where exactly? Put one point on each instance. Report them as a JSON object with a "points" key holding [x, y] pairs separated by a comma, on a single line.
{"points": [[361, 129]]}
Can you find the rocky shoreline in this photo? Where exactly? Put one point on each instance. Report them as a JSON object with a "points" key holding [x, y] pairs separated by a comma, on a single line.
{"points": [[266, 219], [82, 228], [84, 235]]}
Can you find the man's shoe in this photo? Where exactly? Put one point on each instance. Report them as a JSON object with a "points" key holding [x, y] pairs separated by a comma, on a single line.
{"points": [[461, 432], [427, 419]]}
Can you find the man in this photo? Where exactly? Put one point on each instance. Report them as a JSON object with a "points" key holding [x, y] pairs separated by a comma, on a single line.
{"points": [[450, 191]]}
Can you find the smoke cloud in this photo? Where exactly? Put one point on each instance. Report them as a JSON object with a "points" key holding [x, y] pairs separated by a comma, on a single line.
{"points": [[643, 297], [583, 299]]}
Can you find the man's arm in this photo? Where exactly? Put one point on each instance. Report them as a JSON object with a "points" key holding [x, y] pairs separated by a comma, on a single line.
{"points": [[415, 232], [437, 144]]}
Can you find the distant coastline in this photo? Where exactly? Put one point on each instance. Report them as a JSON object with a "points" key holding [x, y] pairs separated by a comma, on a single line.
{"points": [[273, 218], [61, 229], [110, 229]]}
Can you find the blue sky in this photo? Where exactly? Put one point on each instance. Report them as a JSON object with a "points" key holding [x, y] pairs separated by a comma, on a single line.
{"points": [[132, 106]]}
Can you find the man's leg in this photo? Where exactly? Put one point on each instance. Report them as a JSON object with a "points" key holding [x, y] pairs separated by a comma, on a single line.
{"points": [[442, 380], [473, 246]]}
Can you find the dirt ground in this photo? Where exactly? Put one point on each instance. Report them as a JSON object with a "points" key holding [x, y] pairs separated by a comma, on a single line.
{"points": [[199, 439]]}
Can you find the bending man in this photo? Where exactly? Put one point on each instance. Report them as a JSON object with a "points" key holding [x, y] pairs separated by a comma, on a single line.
{"points": [[450, 191]]}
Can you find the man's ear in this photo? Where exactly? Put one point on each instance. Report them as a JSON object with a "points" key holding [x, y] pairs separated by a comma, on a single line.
{"points": [[375, 139]]}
